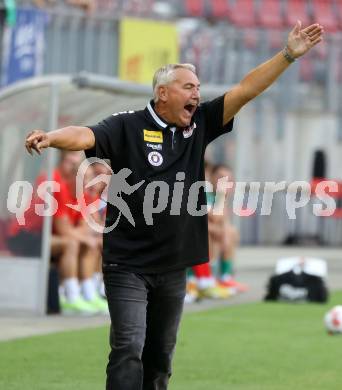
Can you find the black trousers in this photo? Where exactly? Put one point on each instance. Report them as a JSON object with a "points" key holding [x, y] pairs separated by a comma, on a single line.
{"points": [[145, 313]]}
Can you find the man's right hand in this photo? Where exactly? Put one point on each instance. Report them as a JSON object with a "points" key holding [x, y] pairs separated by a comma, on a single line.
{"points": [[37, 140]]}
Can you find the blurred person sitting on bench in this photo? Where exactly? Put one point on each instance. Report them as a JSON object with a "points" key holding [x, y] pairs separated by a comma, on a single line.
{"points": [[223, 235], [73, 245], [69, 222]]}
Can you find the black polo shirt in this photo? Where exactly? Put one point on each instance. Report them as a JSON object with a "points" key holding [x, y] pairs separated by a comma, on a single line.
{"points": [[156, 151]]}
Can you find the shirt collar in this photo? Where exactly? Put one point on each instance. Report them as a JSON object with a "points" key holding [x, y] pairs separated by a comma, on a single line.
{"points": [[159, 121], [156, 118]]}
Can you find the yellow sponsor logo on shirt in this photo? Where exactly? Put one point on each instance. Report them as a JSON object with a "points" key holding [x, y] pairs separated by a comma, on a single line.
{"points": [[153, 136]]}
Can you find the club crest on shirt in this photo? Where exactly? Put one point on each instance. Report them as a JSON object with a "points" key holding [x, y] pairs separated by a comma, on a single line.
{"points": [[155, 146], [189, 130], [155, 159]]}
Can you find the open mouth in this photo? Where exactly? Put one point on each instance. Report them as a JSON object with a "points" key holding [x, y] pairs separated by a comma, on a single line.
{"points": [[190, 108]]}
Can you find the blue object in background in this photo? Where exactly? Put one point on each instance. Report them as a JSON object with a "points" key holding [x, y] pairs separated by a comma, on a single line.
{"points": [[23, 46]]}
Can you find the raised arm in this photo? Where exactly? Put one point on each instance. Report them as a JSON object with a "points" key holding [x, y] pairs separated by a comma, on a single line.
{"points": [[66, 138], [299, 42]]}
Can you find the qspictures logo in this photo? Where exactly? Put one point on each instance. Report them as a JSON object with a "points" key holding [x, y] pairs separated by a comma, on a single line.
{"points": [[157, 195]]}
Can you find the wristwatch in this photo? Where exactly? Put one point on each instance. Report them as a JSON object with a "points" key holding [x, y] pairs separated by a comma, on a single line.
{"points": [[287, 55]]}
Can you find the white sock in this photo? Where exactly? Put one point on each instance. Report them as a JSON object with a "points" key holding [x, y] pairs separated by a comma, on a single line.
{"points": [[102, 290], [97, 278], [88, 289], [226, 277], [71, 289], [205, 282], [61, 290]]}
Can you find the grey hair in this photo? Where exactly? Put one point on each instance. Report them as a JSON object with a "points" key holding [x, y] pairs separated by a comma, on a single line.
{"points": [[166, 74]]}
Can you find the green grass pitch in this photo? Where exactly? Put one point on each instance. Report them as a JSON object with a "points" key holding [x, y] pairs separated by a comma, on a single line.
{"points": [[261, 346]]}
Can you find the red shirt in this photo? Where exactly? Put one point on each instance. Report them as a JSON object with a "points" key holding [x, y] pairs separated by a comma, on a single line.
{"points": [[65, 196]]}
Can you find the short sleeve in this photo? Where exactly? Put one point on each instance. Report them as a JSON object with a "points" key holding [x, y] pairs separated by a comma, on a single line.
{"points": [[213, 117], [108, 138]]}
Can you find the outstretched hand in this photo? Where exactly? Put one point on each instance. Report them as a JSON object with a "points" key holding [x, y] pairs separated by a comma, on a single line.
{"points": [[301, 40], [36, 140]]}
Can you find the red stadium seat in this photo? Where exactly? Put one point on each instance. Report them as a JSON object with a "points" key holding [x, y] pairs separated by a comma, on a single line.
{"points": [[243, 13], [297, 10], [324, 14], [219, 9], [270, 14], [194, 7]]}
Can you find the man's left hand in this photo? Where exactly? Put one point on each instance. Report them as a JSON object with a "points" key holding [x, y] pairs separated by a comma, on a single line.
{"points": [[302, 40]]}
